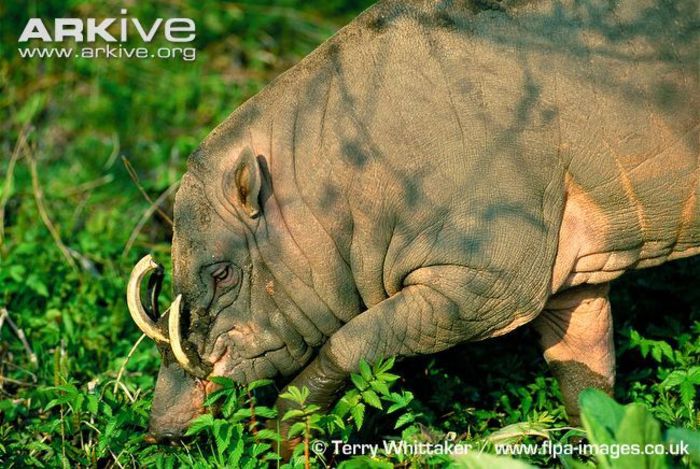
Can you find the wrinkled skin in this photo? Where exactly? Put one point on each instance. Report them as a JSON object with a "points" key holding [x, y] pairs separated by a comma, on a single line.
{"points": [[434, 175]]}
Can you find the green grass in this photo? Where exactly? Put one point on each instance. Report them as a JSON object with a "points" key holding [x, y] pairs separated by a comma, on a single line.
{"points": [[66, 408]]}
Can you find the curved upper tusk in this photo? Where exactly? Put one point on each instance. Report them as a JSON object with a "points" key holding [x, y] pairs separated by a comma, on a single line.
{"points": [[176, 341], [133, 299]]}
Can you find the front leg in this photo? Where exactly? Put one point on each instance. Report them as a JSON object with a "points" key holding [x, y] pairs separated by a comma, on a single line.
{"points": [[436, 309], [417, 320]]}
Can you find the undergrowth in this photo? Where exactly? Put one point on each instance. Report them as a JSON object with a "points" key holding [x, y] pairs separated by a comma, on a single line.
{"points": [[73, 224]]}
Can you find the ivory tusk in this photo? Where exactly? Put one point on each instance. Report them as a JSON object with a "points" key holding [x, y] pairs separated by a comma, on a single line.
{"points": [[133, 299], [176, 341]]}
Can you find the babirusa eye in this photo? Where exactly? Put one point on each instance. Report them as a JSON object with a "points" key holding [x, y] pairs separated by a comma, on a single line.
{"points": [[222, 273], [225, 275]]}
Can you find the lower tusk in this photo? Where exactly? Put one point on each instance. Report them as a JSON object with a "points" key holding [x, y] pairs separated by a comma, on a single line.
{"points": [[176, 341], [133, 299]]}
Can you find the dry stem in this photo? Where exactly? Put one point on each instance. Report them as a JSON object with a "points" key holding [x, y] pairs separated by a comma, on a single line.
{"points": [[123, 367], [21, 142], [5, 316], [135, 178], [117, 382], [41, 206], [146, 215]]}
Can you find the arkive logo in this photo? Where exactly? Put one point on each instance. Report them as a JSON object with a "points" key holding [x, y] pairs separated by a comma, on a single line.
{"points": [[113, 34], [88, 30]]}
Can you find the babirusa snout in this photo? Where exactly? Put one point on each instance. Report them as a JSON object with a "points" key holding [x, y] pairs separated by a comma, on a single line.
{"points": [[133, 299]]}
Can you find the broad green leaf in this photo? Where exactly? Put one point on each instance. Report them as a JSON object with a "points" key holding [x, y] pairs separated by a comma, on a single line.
{"points": [[332, 421], [292, 414], [259, 383], [92, 404], [404, 419], [265, 412], [223, 381], [267, 434], [674, 379], [388, 377], [312, 408], [638, 427], [17, 272], [694, 374], [358, 415], [681, 439], [687, 391], [200, 423], [36, 284], [344, 405], [384, 365], [400, 400], [222, 431], [297, 429], [236, 454], [372, 399], [359, 382], [227, 394], [296, 395], [241, 414], [260, 448], [601, 415], [615, 427], [380, 387], [365, 370], [685, 381]]}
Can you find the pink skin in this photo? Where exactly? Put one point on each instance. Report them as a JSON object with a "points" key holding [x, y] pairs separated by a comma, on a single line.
{"points": [[187, 404], [228, 362]]}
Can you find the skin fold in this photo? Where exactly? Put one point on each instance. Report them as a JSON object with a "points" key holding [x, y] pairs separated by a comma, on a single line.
{"points": [[436, 173]]}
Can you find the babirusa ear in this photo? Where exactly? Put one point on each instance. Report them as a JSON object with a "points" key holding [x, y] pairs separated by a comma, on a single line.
{"points": [[243, 181]]}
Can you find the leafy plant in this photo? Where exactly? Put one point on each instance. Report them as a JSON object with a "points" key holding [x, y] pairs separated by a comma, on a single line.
{"points": [[630, 429], [686, 382], [235, 439], [372, 388]]}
